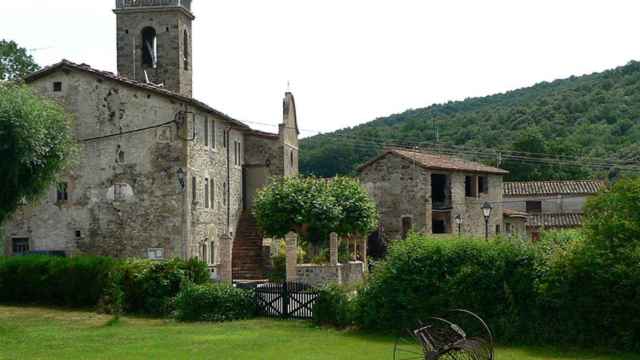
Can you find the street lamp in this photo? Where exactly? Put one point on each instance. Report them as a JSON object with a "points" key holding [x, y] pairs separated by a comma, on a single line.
{"points": [[459, 222], [486, 211]]}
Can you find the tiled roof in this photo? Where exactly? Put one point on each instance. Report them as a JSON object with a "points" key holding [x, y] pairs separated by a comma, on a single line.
{"points": [[66, 64], [515, 213], [531, 188], [555, 220], [438, 162]]}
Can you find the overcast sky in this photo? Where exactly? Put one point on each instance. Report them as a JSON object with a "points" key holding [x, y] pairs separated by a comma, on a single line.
{"points": [[350, 61]]}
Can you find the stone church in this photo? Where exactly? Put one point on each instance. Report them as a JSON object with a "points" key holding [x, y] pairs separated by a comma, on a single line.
{"points": [[157, 173]]}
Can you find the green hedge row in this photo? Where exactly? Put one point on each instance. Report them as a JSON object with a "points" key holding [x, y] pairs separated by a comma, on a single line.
{"points": [[220, 302], [132, 286], [562, 290]]}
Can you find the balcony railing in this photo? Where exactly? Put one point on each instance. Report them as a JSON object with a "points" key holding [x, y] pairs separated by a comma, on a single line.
{"points": [[127, 4]]}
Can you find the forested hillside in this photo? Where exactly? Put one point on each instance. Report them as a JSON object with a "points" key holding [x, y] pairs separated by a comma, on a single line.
{"points": [[589, 119]]}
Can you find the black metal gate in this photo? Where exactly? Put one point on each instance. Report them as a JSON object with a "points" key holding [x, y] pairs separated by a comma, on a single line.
{"points": [[287, 300]]}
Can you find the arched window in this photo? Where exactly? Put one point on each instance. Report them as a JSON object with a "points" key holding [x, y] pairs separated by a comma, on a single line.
{"points": [[186, 50], [149, 47], [292, 159]]}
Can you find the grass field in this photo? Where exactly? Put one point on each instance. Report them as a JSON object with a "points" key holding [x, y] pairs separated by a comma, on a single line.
{"points": [[35, 333]]}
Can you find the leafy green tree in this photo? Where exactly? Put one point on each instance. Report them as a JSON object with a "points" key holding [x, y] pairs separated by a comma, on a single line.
{"points": [[35, 144], [613, 218], [312, 205], [15, 62]]}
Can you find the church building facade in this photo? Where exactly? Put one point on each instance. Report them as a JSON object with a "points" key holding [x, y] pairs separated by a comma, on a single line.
{"points": [[157, 174]]}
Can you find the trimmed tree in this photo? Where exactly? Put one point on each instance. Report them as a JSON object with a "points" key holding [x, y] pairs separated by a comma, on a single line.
{"points": [[35, 144], [298, 204]]}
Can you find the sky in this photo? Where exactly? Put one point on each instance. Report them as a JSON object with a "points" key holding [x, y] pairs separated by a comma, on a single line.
{"points": [[350, 61]]}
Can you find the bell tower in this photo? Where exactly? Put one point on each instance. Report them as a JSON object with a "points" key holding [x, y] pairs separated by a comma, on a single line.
{"points": [[155, 44]]}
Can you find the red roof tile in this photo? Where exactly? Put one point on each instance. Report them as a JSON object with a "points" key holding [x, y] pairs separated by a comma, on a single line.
{"points": [[555, 220], [438, 162], [66, 64], [532, 188]]}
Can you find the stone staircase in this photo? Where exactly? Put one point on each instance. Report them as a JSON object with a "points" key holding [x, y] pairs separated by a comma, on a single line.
{"points": [[248, 262]]}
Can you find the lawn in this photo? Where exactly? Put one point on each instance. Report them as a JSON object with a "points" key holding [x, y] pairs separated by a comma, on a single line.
{"points": [[36, 333]]}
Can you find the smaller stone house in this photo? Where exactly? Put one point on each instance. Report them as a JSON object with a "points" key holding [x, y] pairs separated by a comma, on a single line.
{"points": [[423, 192], [550, 204]]}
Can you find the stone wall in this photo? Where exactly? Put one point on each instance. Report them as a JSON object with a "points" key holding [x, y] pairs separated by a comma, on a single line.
{"points": [[402, 189], [124, 196], [320, 275], [550, 204]]}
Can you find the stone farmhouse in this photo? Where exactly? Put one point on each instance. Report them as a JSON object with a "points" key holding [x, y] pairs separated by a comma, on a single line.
{"points": [[158, 173], [550, 204], [422, 192]]}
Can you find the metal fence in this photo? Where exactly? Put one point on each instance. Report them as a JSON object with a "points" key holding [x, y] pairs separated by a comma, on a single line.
{"points": [[288, 300]]}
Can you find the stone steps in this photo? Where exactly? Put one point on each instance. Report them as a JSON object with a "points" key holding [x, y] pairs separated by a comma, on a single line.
{"points": [[247, 250]]}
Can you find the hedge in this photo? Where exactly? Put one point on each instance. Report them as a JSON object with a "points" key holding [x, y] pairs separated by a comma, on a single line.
{"points": [[133, 286], [562, 291], [70, 282], [220, 302]]}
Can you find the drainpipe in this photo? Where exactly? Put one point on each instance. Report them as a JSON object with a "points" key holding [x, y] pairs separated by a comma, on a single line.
{"points": [[228, 194]]}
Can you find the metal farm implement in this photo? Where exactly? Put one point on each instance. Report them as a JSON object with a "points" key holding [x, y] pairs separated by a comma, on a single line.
{"points": [[459, 335]]}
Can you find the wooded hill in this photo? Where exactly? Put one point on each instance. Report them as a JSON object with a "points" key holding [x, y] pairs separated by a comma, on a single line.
{"points": [[593, 120]]}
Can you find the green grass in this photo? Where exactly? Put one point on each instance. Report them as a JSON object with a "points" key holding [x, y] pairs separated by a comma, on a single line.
{"points": [[35, 333]]}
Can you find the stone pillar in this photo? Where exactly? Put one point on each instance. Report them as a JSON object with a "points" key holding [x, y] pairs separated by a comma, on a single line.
{"points": [[225, 269], [292, 256], [333, 248]]}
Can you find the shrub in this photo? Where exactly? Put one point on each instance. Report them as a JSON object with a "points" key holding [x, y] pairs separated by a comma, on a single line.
{"points": [[73, 282], [421, 277], [149, 287], [219, 302], [333, 307]]}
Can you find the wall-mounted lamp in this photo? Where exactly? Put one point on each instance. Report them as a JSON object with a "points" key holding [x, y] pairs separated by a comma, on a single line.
{"points": [[181, 178]]}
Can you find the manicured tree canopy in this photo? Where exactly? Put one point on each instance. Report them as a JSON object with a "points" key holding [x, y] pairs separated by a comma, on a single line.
{"points": [[298, 203], [35, 144]]}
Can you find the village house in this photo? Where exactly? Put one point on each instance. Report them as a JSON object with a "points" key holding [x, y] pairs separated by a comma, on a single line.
{"points": [[427, 193], [550, 204], [157, 174]]}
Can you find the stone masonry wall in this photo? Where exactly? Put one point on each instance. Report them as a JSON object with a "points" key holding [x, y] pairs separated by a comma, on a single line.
{"points": [[399, 189], [170, 26], [119, 204]]}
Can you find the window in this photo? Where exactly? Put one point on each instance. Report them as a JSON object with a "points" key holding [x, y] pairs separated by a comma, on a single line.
{"points": [[292, 158], [78, 234], [206, 193], [119, 192], [508, 228], [471, 186], [62, 192], [57, 86], [483, 184], [206, 131], [203, 251], [406, 226], [213, 134], [194, 190], [19, 246], [236, 152], [498, 229], [186, 49], [149, 47], [121, 157], [213, 194], [212, 256], [155, 254], [534, 206], [225, 139]]}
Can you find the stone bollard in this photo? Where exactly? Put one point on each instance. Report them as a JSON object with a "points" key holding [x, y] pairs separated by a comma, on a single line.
{"points": [[333, 248], [292, 256], [225, 270]]}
